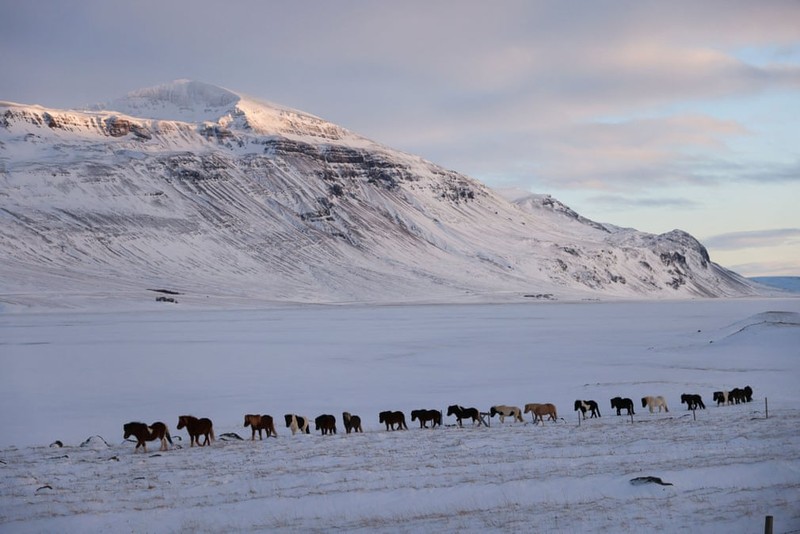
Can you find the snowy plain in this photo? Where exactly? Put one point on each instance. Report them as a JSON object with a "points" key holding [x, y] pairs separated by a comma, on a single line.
{"points": [[73, 375]]}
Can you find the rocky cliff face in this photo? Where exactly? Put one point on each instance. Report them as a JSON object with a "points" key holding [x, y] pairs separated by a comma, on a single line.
{"points": [[194, 187]]}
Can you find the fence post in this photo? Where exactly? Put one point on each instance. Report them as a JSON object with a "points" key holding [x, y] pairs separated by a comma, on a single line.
{"points": [[766, 409], [694, 414], [768, 525]]}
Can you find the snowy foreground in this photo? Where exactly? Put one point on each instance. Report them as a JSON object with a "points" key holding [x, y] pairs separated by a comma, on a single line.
{"points": [[72, 376]]}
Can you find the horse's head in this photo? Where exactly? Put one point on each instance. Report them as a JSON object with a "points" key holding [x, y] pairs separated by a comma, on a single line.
{"points": [[183, 420], [288, 418], [644, 402]]}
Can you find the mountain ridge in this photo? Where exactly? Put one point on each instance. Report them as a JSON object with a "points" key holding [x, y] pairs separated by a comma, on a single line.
{"points": [[269, 203]]}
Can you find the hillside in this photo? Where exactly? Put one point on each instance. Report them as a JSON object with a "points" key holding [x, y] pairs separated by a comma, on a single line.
{"points": [[215, 195]]}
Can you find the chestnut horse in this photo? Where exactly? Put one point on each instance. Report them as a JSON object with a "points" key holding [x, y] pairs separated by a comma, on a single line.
{"points": [[464, 413], [393, 418], [143, 433], [196, 428], [540, 410], [326, 423], [260, 423], [352, 423], [434, 416]]}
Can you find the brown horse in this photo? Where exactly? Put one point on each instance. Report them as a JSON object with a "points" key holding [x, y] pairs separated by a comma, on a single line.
{"points": [[352, 423], [197, 427], [143, 433], [260, 423], [326, 423], [393, 418], [434, 416], [540, 410]]}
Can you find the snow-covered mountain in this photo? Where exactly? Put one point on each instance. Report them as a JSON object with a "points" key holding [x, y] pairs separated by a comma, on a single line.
{"points": [[207, 192]]}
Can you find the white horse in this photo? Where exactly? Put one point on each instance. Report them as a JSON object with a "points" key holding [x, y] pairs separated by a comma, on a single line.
{"points": [[506, 411], [651, 403]]}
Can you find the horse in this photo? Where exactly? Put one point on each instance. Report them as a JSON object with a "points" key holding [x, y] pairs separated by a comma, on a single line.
{"points": [[587, 406], [692, 401], [736, 396], [144, 433], [748, 394], [260, 423], [326, 423], [619, 404], [721, 397], [434, 416], [506, 411], [393, 418], [196, 428], [538, 411], [464, 413], [352, 423], [651, 403], [297, 422]]}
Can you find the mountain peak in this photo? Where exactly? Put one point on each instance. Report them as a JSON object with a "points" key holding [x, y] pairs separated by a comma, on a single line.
{"points": [[198, 102], [180, 100]]}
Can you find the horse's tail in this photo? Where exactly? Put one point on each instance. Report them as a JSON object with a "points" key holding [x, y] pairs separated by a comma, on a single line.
{"points": [[211, 433], [166, 435]]}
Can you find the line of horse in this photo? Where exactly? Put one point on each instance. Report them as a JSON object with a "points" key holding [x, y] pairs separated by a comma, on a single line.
{"points": [[396, 420]]}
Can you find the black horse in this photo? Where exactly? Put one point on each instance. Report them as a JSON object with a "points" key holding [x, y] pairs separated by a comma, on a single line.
{"points": [[618, 403], [462, 413], [693, 401]]}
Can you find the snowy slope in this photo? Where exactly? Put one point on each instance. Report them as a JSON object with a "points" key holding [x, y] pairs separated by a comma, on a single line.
{"points": [[199, 189], [86, 374]]}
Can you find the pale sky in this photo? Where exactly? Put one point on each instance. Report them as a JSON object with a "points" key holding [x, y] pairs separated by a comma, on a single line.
{"points": [[652, 115]]}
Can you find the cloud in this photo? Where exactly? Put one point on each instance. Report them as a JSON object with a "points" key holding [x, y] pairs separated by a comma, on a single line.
{"points": [[777, 237], [622, 202]]}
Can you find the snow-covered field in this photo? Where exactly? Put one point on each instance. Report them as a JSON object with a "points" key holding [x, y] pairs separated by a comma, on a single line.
{"points": [[72, 375]]}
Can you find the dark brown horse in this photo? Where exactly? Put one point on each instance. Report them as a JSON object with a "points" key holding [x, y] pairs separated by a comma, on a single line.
{"points": [[464, 413], [434, 416], [260, 423], [326, 423], [352, 423], [144, 433], [393, 418], [196, 428]]}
